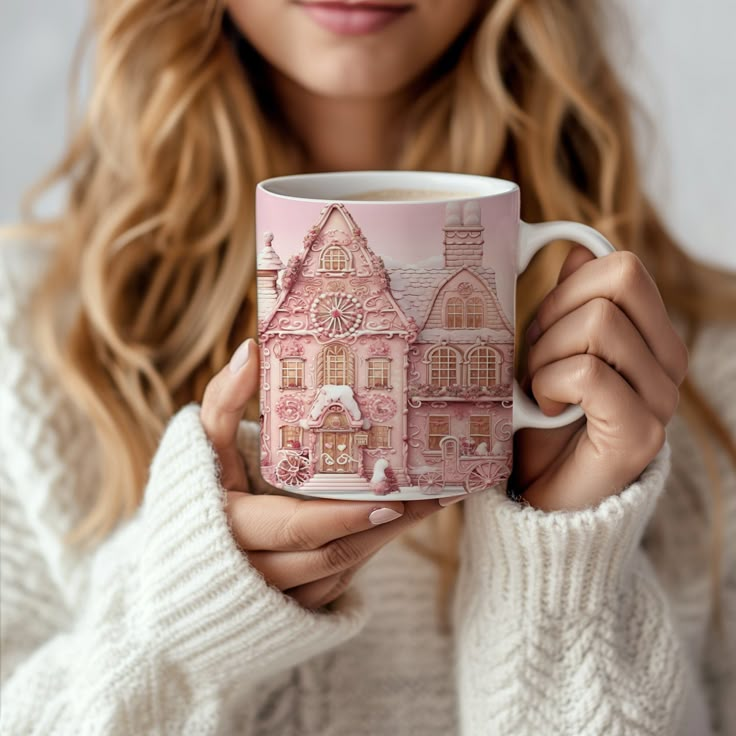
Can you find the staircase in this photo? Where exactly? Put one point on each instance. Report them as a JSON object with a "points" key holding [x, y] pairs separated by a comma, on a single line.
{"points": [[337, 483]]}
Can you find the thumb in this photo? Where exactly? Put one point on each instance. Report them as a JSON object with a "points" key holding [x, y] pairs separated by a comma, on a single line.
{"points": [[225, 399], [576, 257]]}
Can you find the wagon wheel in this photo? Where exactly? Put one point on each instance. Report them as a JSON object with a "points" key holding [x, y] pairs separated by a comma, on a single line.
{"points": [[485, 475], [293, 470], [430, 481]]}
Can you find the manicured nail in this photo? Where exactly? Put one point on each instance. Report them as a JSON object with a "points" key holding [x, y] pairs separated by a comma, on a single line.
{"points": [[241, 356], [533, 332], [449, 500], [381, 516]]}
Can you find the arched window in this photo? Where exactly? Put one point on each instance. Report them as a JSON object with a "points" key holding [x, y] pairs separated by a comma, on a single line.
{"points": [[443, 366], [455, 313], [474, 312], [336, 366], [482, 367], [336, 420], [334, 258]]}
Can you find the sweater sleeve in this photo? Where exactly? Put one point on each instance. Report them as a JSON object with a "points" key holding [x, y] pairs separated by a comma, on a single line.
{"points": [[169, 612], [561, 626]]}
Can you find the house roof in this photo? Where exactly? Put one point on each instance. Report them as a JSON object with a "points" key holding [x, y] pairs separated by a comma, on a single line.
{"points": [[309, 239], [415, 289]]}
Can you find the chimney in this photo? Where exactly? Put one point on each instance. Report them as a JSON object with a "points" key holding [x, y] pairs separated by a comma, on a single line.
{"points": [[463, 234], [268, 266]]}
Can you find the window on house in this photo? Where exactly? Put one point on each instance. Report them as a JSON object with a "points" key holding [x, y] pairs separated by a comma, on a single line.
{"points": [[336, 420], [443, 367], [482, 367], [336, 366], [474, 312], [292, 373], [379, 436], [480, 430], [455, 313], [378, 372], [437, 428], [335, 258], [291, 437]]}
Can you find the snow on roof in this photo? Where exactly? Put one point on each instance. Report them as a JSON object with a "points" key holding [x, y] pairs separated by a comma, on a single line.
{"points": [[332, 394], [414, 286]]}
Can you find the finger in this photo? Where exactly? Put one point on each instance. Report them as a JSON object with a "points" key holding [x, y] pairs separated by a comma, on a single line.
{"points": [[625, 435], [288, 569], [227, 395], [622, 278], [577, 256], [600, 328], [321, 592], [286, 524]]}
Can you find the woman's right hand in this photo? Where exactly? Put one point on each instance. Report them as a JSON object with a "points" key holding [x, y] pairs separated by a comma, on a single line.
{"points": [[308, 548]]}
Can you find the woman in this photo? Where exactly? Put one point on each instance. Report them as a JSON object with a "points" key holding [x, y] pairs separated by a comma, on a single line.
{"points": [[152, 584]]}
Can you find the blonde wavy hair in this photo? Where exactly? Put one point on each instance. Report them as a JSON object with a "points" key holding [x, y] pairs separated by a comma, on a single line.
{"points": [[158, 232]]}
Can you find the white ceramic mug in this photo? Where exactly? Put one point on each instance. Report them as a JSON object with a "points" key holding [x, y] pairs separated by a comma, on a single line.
{"points": [[386, 327]]}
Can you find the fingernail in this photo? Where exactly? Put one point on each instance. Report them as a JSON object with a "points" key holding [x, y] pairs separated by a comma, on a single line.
{"points": [[241, 356], [449, 500], [381, 516], [533, 332]]}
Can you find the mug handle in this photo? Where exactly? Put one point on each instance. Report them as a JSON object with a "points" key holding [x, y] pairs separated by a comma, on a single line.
{"points": [[533, 238]]}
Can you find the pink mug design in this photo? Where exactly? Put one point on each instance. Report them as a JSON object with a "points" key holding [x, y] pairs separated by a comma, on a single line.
{"points": [[386, 330]]}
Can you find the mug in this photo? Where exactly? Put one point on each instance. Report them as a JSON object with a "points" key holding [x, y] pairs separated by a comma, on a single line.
{"points": [[386, 331]]}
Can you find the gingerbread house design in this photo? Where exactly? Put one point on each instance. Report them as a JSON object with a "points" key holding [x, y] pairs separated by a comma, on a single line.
{"points": [[383, 379]]}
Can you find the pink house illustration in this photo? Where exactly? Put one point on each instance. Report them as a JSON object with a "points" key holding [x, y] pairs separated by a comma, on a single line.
{"points": [[383, 378]]}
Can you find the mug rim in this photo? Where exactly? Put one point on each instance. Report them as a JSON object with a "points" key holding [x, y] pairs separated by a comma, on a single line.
{"points": [[493, 186]]}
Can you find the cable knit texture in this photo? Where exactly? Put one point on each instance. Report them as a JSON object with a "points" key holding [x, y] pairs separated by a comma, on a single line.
{"points": [[597, 621]]}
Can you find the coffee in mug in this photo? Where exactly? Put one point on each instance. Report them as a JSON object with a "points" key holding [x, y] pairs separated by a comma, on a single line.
{"points": [[378, 195], [386, 331]]}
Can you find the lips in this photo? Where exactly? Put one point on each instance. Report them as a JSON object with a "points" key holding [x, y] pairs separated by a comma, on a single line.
{"points": [[354, 18]]}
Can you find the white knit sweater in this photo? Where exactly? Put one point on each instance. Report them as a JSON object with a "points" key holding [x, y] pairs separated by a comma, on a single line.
{"points": [[588, 622]]}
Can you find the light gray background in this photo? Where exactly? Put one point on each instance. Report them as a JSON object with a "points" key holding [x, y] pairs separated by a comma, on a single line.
{"points": [[681, 62]]}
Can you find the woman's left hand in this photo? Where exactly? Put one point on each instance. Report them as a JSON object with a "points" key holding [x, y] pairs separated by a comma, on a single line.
{"points": [[603, 340]]}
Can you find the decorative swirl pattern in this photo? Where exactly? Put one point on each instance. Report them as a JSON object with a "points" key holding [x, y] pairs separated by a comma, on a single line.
{"points": [[381, 408], [289, 322], [290, 409], [415, 438], [503, 430]]}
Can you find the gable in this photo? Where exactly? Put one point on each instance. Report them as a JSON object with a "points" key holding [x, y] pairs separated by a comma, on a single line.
{"points": [[336, 231], [465, 285], [310, 275]]}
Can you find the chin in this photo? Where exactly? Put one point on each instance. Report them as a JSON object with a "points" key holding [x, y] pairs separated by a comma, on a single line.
{"points": [[349, 77], [336, 87]]}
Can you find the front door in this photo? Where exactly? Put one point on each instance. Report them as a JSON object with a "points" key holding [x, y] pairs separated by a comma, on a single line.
{"points": [[336, 452]]}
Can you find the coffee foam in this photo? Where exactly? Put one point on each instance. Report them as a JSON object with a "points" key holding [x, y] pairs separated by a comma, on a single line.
{"points": [[386, 195]]}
